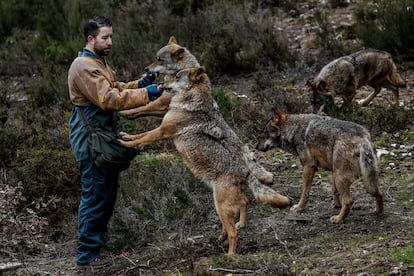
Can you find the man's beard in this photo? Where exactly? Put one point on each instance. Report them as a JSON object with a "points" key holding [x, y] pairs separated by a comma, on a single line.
{"points": [[102, 51]]}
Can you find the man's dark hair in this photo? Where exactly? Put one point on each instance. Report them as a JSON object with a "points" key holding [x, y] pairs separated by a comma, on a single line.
{"points": [[92, 26]]}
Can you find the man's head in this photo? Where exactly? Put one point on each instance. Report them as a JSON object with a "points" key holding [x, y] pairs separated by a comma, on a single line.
{"points": [[98, 35]]}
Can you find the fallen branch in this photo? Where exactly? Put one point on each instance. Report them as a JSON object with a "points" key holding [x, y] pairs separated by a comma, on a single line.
{"points": [[238, 271]]}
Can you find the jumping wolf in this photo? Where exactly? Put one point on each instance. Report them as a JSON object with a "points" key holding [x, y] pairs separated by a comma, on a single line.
{"points": [[323, 142], [170, 59], [210, 149], [343, 76]]}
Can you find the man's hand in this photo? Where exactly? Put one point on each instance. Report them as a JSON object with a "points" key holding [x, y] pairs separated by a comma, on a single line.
{"points": [[154, 91], [147, 78]]}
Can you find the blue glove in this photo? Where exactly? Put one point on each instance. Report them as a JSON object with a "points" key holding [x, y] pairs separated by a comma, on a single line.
{"points": [[154, 92], [147, 79]]}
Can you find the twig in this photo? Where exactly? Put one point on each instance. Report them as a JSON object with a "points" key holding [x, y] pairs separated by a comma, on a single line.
{"points": [[232, 270], [284, 244]]}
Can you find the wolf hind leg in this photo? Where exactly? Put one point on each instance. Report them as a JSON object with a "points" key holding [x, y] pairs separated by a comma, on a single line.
{"points": [[343, 185], [336, 203], [230, 202], [369, 172]]}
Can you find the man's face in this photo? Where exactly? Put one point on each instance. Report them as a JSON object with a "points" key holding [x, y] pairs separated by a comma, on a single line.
{"points": [[102, 43]]}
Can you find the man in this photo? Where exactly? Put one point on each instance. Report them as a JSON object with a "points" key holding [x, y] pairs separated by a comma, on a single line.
{"points": [[92, 87]]}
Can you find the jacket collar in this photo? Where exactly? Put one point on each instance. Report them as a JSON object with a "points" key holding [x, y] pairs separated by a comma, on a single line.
{"points": [[87, 53]]}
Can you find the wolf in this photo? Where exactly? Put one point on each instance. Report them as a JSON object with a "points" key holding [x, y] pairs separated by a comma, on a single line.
{"points": [[169, 60], [344, 75], [210, 149], [343, 147]]}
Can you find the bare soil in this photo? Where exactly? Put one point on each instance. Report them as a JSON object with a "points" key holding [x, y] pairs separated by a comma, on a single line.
{"points": [[279, 242]]}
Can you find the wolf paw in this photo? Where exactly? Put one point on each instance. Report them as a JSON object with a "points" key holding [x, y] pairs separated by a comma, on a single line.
{"points": [[295, 208], [124, 136], [336, 219], [239, 225]]}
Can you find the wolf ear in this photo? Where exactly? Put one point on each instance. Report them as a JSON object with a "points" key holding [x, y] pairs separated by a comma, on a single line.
{"points": [[198, 74], [201, 70], [172, 40], [178, 53], [279, 118]]}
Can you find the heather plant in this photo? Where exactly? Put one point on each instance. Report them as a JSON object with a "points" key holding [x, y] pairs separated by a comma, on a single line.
{"points": [[387, 25]]}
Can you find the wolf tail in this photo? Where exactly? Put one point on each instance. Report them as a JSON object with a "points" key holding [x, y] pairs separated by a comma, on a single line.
{"points": [[264, 194], [369, 172], [396, 78]]}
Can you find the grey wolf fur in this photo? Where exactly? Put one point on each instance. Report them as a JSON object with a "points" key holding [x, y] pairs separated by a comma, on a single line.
{"points": [[344, 75], [210, 149], [170, 59], [323, 142]]}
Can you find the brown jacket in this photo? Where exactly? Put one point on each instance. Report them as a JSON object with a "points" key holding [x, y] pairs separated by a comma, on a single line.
{"points": [[92, 80]]}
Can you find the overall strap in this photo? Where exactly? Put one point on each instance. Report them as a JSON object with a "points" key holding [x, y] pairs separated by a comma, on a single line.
{"points": [[85, 121]]}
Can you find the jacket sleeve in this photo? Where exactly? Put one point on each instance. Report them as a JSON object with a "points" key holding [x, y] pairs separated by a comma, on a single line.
{"points": [[97, 84]]}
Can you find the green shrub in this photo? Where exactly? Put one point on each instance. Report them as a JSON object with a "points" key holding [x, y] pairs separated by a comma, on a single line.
{"points": [[387, 27], [158, 193], [49, 175], [229, 105], [208, 32], [327, 38], [8, 145]]}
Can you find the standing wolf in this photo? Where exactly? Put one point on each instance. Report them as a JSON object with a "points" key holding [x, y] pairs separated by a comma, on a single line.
{"points": [[210, 149], [343, 76], [339, 146], [170, 59]]}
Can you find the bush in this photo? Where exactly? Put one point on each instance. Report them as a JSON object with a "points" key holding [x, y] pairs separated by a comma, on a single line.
{"points": [[208, 31], [8, 145], [158, 194], [387, 26]]}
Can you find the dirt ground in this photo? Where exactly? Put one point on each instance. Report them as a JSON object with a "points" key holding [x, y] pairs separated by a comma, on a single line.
{"points": [[279, 242]]}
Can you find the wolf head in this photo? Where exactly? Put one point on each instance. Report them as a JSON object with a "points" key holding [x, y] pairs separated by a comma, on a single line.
{"points": [[190, 78], [172, 58], [273, 131], [320, 95]]}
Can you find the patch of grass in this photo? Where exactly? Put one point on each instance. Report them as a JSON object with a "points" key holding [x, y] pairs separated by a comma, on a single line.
{"points": [[229, 105], [403, 255]]}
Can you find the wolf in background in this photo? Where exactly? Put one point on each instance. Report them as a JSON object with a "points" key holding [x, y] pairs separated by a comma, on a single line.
{"points": [[170, 59], [323, 142], [344, 75], [210, 149]]}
